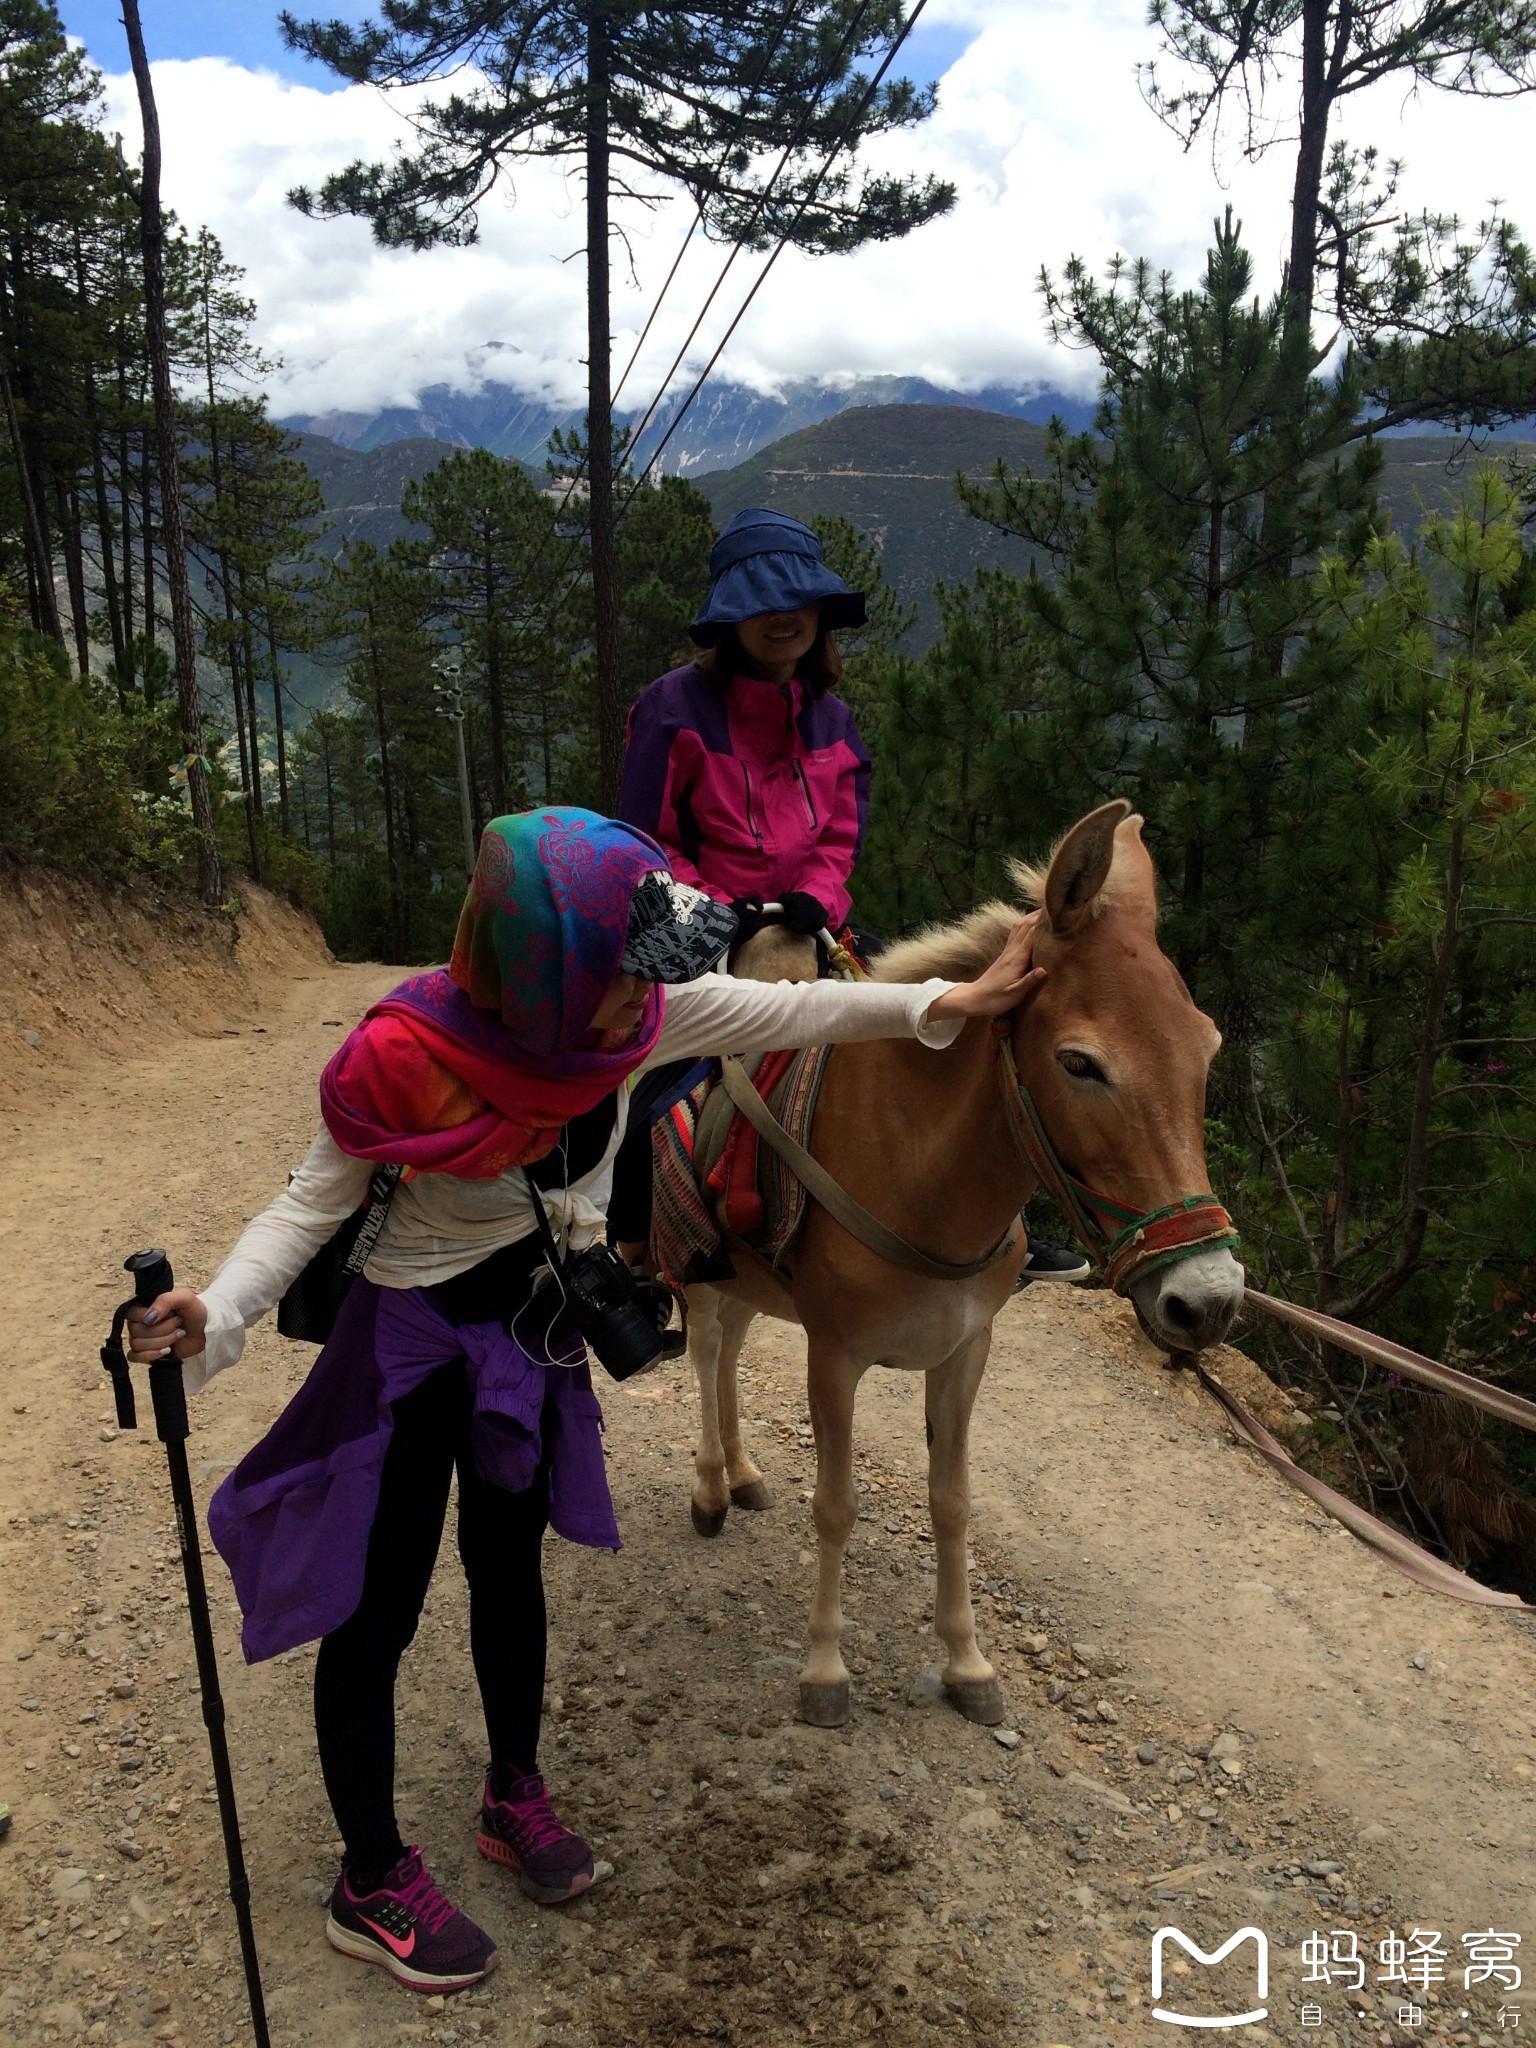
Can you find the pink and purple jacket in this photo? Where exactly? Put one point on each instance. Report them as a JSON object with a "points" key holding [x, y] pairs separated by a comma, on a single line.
{"points": [[751, 789]]}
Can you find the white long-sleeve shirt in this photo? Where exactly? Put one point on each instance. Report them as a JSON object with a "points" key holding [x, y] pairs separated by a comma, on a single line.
{"points": [[440, 1225]]}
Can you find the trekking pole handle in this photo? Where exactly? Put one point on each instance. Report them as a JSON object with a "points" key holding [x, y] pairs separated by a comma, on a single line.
{"points": [[151, 1272], [152, 1277]]}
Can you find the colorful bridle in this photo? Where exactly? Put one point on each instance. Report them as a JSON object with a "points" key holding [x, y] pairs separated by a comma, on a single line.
{"points": [[1128, 1244]]}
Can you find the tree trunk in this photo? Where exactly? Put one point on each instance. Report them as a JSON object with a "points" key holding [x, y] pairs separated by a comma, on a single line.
{"points": [[104, 537], [1311, 155], [277, 714], [152, 235], [493, 691], [99, 490], [125, 507], [605, 604], [387, 790], [46, 604], [147, 542], [74, 573], [249, 781], [330, 799], [253, 730], [246, 779], [38, 547]]}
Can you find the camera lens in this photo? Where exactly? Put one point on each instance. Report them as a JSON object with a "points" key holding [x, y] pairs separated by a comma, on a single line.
{"points": [[625, 1340]]}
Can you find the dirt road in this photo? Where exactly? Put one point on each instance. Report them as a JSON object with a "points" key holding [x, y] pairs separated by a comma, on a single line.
{"points": [[1226, 1715]]}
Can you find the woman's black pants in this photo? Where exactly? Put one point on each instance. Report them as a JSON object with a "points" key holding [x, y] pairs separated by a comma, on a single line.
{"points": [[500, 1541]]}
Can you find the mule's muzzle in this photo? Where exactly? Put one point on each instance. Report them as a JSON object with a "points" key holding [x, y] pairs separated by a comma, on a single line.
{"points": [[1191, 1304]]}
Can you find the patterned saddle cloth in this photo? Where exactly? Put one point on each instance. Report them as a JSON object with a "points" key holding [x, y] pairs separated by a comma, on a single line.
{"points": [[714, 1177]]}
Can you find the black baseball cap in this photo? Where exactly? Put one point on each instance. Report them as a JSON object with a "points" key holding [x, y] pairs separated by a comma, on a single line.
{"points": [[675, 932]]}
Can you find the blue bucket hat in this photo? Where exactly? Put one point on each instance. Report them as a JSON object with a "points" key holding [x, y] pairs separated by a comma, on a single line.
{"points": [[767, 562]]}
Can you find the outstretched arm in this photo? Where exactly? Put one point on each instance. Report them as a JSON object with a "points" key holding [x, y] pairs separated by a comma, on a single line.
{"points": [[717, 1014]]}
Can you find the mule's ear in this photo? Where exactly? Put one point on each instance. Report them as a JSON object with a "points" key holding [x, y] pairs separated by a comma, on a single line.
{"points": [[1080, 866]]}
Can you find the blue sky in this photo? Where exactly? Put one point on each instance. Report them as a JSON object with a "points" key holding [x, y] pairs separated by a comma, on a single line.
{"points": [[247, 33], [244, 31]]}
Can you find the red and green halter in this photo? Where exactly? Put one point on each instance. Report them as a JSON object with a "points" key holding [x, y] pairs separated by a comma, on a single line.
{"points": [[1128, 1243]]}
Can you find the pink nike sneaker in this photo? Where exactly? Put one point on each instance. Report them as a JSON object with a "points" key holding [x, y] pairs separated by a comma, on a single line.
{"points": [[522, 1831], [407, 1925]]}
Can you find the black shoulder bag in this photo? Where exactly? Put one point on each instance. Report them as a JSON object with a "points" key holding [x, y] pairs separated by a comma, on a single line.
{"points": [[309, 1309]]}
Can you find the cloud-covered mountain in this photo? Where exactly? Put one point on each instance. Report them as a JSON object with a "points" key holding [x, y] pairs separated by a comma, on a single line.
{"points": [[727, 424]]}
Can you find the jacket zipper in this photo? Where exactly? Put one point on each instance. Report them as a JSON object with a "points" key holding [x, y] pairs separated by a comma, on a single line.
{"points": [[752, 824], [805, 791]]}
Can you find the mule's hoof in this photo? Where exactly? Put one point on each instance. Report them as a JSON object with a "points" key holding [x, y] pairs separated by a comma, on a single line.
{"points": [[707, 1524], [753, 1495], [824, 1705], [978, 1699]]}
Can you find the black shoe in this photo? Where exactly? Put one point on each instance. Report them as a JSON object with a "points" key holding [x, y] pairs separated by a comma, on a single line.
{"points": [[1050, 1262]]}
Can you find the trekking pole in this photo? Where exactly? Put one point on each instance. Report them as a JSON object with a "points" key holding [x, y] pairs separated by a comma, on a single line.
{"points": [[152, 1277]]}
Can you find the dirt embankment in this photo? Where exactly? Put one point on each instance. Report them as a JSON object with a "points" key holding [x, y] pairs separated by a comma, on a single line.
{"points": [[1224, 1713], [73, 954]]}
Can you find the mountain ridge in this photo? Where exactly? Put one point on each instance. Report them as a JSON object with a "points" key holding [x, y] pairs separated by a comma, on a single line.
{"points": [[887, 468], [726, 425]]}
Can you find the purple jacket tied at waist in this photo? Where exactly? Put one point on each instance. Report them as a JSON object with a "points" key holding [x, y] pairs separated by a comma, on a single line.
{"points": [[292, 1520]]}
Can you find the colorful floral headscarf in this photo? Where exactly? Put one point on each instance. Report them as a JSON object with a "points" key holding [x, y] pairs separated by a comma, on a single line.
{"points": [[475, 1069], [543, 926]]}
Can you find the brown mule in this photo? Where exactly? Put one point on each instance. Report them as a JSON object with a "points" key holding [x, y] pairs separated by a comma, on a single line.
{"points": [[1115, 1055]]}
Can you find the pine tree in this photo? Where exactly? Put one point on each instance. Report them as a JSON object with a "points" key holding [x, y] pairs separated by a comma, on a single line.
{"points": [[955, 792], [156, 326], [1165, 600], [700, 97], [488, 566], [1440, 313]]}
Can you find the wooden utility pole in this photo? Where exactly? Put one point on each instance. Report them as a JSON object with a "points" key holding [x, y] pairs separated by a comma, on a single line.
{"points": [[605, 598], [152, 243]]}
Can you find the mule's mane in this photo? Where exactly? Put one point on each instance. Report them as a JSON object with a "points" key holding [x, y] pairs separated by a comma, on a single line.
{"points": [[953, 952], [960, 951]]}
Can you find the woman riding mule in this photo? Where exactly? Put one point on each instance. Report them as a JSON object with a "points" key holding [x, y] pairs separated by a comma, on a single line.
{"points": [[750, 770], [500, 1085], [1111, 1058]]}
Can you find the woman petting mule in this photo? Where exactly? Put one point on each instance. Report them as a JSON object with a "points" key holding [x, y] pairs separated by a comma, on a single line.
{"points": [[497, 1084]]}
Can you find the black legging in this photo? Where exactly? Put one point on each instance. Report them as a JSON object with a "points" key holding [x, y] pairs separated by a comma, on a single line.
{"points": [[500, 1538]]}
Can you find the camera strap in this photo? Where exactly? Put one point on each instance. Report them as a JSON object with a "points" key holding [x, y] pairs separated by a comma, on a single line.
{"points": [[541, 1224]]}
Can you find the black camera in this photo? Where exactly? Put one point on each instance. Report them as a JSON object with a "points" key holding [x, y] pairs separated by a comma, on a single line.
{"points": [[606, 1305]]}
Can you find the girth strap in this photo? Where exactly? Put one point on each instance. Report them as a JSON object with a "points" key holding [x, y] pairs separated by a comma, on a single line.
{"points": [[837, 1202]]}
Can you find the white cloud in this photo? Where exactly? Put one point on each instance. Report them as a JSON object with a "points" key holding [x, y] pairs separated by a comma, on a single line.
{"points": [[1040, 125]]}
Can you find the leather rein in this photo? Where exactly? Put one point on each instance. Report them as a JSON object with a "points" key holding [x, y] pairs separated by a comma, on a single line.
{"points": [[1127, 1244]]}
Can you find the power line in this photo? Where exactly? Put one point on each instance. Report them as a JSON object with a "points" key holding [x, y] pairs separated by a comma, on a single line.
{"points": [[778, 249], [764, 196], [769, 53], [579, 469], [775, 254]]}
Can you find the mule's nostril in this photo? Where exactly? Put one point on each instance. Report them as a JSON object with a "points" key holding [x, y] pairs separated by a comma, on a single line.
{"points": [[1180, 1313]]}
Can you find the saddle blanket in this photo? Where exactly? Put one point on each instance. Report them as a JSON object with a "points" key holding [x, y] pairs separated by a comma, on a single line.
{"points": [[747, 1191]]}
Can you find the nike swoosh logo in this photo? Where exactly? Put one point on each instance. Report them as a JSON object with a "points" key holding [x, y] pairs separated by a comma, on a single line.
{"points": [[398, 1947]]}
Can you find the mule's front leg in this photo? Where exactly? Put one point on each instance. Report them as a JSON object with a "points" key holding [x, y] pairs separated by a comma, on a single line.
{"points": [[741, 1473], [832, 1384], [706, 1336], [969, 1679]]}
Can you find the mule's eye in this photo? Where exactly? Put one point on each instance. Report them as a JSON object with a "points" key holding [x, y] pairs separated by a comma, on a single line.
{"points": [[1083, 1068]]}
